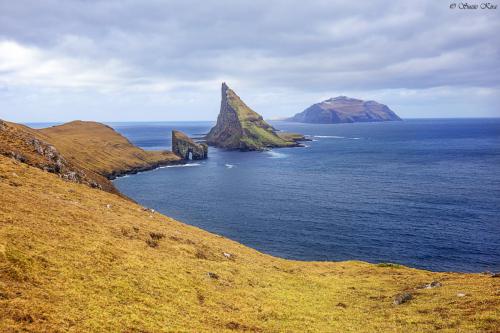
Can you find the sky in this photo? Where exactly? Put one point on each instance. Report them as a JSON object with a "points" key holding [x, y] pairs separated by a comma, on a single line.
{"points": [[156, 60]]}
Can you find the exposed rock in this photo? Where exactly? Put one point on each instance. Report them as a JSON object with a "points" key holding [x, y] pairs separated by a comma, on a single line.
{"points": [[20, 143], [185, 147], [402, 298], [343, 109], [214, 276], [433, 284], [239, 127], [227, 255]]}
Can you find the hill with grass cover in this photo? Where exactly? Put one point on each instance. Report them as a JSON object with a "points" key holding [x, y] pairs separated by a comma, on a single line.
{"points": [[100, 148]]}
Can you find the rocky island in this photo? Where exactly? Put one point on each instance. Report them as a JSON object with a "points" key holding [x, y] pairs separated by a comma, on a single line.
{"points": [[186, 148], [343, 109], [239, 127]]}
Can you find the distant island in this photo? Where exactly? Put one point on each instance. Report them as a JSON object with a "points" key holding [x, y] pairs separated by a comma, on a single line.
{"points": [[343, 109], [239, 127]]}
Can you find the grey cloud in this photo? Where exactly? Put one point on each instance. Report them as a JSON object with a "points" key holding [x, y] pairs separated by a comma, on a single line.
{"points": [[310, 47]]}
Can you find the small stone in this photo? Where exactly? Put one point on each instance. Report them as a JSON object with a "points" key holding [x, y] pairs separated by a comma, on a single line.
{"points": [[213, 275], [402, 298], [433, 284], [108, 206], [461, 295], [342, 305], [227, 255]]}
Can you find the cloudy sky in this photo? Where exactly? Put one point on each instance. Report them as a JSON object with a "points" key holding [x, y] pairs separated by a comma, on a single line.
{"points": [[165, 60]]}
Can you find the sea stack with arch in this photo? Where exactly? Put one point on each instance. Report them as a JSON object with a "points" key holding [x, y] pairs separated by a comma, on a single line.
{"points": [[186, 148]]}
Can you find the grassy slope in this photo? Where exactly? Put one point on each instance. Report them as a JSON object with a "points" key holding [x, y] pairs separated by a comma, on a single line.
{"points": [[69, 262], [97, 147], [18, 139], [258, 133]]}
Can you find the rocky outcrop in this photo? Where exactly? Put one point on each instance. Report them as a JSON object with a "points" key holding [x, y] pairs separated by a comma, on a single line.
{"points": [[99, 148], [20, 143], [186, 148], [343, 109], [89, 153], [239, 127]]}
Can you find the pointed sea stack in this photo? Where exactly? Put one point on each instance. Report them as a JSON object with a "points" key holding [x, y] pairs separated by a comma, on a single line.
{"points": [[239, 127], [183, 146]]}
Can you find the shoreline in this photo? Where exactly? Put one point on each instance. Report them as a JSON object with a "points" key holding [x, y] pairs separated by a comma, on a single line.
{"points": [[121, 173]]}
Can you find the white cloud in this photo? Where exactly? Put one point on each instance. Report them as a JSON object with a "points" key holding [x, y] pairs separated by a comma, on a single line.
{"points": [[275, 52]]}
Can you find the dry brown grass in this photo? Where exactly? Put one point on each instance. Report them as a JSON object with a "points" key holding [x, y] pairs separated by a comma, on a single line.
{"points": [[92, 150], [97, 147], [75, 259]]}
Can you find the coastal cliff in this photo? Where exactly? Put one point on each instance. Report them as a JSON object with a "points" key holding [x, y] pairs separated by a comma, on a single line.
{"points": [[100, 148], [84, 152], [184, 147], [343, 109], [239, 127], [29, 146]]}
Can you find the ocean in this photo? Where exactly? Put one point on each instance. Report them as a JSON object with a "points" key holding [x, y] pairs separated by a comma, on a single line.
{"points": [[423, 193]]}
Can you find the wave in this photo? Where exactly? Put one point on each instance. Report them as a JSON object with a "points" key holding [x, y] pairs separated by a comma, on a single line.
{"points": [[329, 137], [275, 154], [334, 137], [181, 165], [229, 166]]}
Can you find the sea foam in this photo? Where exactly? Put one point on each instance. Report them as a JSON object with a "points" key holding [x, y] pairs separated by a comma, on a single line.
{"points": [[181, 165], [275, 154]]}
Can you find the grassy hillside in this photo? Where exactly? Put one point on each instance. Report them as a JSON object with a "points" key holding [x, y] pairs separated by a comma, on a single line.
{"points": [[99, 148], [77, 259], [30, 146]]}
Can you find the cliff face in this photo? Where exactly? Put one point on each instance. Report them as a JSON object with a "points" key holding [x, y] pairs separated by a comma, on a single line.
{"points": [[89, 153], [343, 109], [239, 127], [100, 148], [28, 146], [183, 146]]}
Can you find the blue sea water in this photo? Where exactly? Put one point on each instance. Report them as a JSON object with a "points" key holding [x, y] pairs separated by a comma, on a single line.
{"points": [[423, 193]]}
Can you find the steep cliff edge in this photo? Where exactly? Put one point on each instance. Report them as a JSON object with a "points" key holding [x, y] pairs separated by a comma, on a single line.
{"points": [[29, 146], [184, 147], [84, 152], [100, 148], [343, 109], [239, 127]]}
